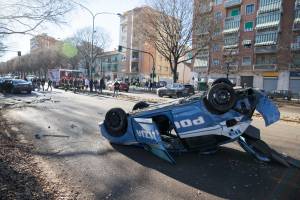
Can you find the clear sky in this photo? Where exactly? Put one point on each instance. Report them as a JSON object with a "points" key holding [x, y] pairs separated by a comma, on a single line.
{"points": [[78, 19]]}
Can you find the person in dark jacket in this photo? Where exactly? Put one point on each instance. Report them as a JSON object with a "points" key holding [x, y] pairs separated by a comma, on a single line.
{"points": [[116, 88], [49, 85], [91, 85], [102, 85], [43, 84]]}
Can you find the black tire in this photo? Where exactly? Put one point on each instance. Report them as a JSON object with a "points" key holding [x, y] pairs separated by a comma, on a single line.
{"points": [[179, 94], [116, 122], [140, 105], [160, 94], [222, 80], [221, 97]]}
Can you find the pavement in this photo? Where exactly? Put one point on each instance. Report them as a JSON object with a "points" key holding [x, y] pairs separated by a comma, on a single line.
{"points": [[64, 129]]}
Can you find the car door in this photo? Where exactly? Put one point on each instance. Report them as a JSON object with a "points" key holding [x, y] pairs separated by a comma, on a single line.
{"points": [[146, 133]]}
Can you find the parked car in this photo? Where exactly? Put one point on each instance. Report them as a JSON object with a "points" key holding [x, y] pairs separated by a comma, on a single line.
{"points": [[5, 84], [173, 90], [161, 84], [19, 86], [191, 89], [280, 94], [124, 87]]}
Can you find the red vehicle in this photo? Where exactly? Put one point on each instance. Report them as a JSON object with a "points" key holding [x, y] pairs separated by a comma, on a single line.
{"points": [[57, 75], [124, 87]]}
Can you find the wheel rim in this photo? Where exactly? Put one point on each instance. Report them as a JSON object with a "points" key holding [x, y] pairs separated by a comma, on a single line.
{"points": [[222, 97], [115, 120]]}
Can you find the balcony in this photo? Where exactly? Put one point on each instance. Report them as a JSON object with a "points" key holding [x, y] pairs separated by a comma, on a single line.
{"points": [[268, 38], [232, 24], [265, 67], [231, 3], [266, 49], [295, 46], [270, 7], [268, 20]]}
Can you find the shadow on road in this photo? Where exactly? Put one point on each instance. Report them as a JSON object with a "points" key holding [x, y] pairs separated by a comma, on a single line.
{"points": [[229, 174]]}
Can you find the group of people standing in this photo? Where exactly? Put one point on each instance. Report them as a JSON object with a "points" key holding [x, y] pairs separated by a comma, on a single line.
{"points": [[79, 84], [39, 84]]}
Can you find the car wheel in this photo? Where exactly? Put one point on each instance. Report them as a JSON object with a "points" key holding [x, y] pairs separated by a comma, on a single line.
{"points": [[140, 105], [179, 94], [222, 80], [221, 97], [115, 122], [160, 94]]}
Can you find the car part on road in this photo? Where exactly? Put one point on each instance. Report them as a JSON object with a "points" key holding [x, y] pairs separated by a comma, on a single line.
{"points": [[140, 105], [189, 125]]}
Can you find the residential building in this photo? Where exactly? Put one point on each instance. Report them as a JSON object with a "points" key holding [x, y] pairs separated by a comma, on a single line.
{"points": [[135, 64], [42, 41], [109, 65], [259, 43]]}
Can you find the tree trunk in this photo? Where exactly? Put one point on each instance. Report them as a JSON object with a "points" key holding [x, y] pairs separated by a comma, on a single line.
{"points": [[175, 78]]}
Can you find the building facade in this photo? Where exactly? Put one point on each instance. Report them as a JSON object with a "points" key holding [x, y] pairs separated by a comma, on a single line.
{"points": [[42, 41], [257, 41], [109, 65], [137, 65]]}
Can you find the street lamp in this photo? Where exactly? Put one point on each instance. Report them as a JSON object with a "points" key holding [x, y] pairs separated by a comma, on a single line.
{"points": [[94, 15]]}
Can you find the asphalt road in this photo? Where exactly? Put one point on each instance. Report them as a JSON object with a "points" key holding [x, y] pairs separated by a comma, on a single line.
{"points": [[64, 129]]}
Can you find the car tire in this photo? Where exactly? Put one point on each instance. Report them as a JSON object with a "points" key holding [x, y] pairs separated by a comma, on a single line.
{"points": [[221, 97], [116, 122], [222, 80], [140, 105], [160, 94], [179, 94]]}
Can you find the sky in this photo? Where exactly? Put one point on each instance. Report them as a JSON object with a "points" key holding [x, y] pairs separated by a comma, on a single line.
{"points": [[77, 19]]}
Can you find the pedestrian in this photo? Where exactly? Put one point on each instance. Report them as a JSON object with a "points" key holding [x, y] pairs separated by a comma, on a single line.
{"points": [[38, 84], [102, 85], [116, 88], [91, 85], [86, 83], [34, 83], [49, 85], [43, 83]]}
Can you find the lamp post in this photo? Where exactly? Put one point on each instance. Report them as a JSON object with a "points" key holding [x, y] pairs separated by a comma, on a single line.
{"points": [[94, 15]]}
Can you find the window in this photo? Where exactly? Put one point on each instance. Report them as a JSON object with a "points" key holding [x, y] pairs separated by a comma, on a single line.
{"points": [[266, 59], [135, 54], [249, 9], [216, 47], [247, 60], [248, 26], [217, 31], [216, 62], [218, 16], [234, 12], [218, 2]]}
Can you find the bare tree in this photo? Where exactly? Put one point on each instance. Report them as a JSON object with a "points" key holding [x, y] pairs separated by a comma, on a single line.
{"points": [[24, 16], [170, 25], [83, 41]]}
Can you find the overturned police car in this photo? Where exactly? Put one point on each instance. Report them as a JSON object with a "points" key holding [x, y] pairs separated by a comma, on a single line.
{"points": [[198, 123]]}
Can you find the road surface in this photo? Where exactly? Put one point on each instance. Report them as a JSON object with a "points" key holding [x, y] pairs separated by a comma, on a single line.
{"points": [[64, 129]]}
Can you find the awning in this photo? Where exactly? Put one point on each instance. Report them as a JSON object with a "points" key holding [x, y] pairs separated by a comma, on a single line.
{"points": [[231, 46], [246, 42], [297, 21], [232, 30], [267, 25], [265, 43], [201, 62]]}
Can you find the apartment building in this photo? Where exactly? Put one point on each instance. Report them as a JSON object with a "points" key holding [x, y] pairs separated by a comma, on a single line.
{"points": [[42, 41], [137, 65], [258, 41], [109, 65]]}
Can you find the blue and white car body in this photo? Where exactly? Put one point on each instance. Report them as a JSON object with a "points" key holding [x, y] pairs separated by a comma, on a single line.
{"points": [[188, 125]]}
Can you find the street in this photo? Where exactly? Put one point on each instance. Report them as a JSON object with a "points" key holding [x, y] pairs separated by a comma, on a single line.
{"points": [[64, 129]]}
